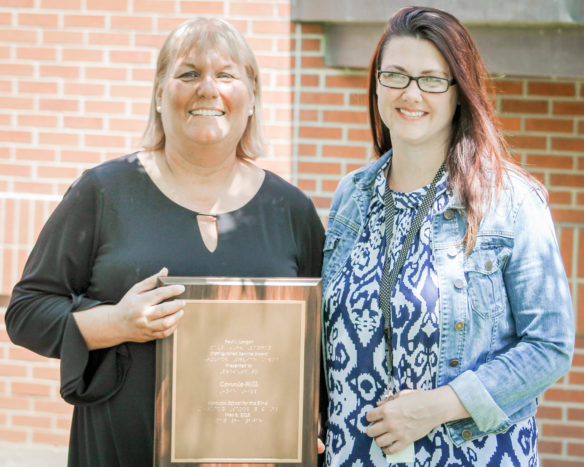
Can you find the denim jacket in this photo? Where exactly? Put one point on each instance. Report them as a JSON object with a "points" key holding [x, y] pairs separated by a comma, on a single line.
{"points": [[506, 320]]}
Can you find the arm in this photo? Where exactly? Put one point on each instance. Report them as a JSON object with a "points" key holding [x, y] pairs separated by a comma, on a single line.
{"points": [[541, 306]]}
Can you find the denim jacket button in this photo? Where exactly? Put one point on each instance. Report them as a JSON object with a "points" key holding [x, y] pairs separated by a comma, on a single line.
{"points": [[449, 214], [452, 251], [489, 265], [458, 283], [459, 326], [466, 434], [453, 363]]}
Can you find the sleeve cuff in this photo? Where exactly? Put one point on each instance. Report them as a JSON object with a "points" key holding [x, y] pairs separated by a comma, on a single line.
{"points": [[483, 409], [90, 377]]}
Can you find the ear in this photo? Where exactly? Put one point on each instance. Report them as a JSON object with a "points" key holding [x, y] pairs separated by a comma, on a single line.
{"points": [[159, 96]]}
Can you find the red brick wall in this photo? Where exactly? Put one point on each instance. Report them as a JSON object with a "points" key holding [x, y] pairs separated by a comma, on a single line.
{"points": [[75, 81]]}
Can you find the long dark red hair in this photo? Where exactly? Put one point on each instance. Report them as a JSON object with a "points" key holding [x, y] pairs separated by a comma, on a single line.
{"points": [[478, 157]]}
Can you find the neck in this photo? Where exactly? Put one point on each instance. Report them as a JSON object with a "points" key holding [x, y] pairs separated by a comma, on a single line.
{"points": [[413, 169]]}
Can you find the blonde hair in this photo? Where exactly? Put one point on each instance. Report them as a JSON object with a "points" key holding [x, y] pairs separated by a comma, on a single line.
{"points": [[205, 34]]}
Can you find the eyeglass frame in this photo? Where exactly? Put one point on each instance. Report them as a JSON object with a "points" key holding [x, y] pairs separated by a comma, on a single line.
{"points": [[411, 78]]}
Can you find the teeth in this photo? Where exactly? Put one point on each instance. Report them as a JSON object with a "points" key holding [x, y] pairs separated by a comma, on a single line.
{"points": [[411, 114], [206, 113]]}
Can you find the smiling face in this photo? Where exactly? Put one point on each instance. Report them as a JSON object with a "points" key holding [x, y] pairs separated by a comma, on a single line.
{"points": [[205, 100], [414, 117]]}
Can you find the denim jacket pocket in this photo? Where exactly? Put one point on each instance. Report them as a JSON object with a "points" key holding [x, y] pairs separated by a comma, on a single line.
{"points": [[484, 276]]}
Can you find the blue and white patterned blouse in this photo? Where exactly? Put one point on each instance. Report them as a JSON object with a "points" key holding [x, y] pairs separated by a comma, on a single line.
{"points": [[357, 376]]}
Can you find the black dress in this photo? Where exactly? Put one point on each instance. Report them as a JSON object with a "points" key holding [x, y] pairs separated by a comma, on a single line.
{"points": [[114, 228]]}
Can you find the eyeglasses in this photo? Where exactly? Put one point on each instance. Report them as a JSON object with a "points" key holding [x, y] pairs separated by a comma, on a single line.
{"points": [[393, 79]]}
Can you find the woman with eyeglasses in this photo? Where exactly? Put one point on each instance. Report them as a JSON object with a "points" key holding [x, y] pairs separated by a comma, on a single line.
{"points": [[446, 307]]}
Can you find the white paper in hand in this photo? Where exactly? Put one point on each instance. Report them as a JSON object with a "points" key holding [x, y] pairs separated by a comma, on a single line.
{"points": [[407, 454]]}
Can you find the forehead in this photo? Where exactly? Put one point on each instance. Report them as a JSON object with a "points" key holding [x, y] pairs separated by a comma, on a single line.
{"points": [[214, 58], [413, 54]]}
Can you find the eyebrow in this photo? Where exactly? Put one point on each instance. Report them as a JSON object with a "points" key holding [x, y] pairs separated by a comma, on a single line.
{"points": [[424, 72]]}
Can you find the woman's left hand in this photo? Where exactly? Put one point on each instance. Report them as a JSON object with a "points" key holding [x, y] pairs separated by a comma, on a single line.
{"points": [[410, 415]]}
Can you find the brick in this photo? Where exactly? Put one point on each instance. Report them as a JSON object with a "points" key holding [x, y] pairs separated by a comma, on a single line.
{"points": [[568, 215], [359, 135], [16, 103], [34, 154], [132, 22], [32, 389], [9, 371], [53, 172], [354, 152], [12, 435], [340, 116], [154, 6], [58, 104], [550, 161], [271, 61], [307, 149], [581, 128], [14, 170], [307, 185], [150, 40], [62, 37], [568, 144], [319, 168], [130, 91], [82, 55], [310, 45], [551, 89], [35, 421], [549, 447], [83, 122], [278, 132], [107, 38], [83, 89], [312, 28], [33, 187], [359, 99], [38, 87], [564, 431], [106, 73], [321, 98], [16, 136], [143, 75], [576, 414], [510, 124], [14, 36], [329, 185], [61, 4], [547, 412], [346, 81], [526, 142], [85, 21], [321, 202], [59, 71], [90, 157], [320, 133], [524, 106], [103, 107], [248, 8], [576, 449], [309, 80], [59, 138], [7, 70], [308, 115], [549, 125], [568, 108], [107, 5], [272, 27], [508, 87], [312, 62], [101, 140], [51, 438], [285, 45], [5, 18], [202, 7], [38, 20], [52, 406], [130, 56]]}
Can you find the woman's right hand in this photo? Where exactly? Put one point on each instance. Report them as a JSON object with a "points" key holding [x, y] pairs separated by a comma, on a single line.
{"points": [[141, 315]]}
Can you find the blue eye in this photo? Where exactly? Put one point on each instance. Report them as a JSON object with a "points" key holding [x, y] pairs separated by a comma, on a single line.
{"points": [[189, 75]]}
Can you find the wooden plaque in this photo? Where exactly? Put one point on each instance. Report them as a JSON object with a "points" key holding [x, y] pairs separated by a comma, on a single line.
{"points": [[237, 383]]}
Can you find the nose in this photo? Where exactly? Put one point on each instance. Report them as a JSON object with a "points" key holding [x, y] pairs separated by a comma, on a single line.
{"points": [[412, 90], [207, 87]]}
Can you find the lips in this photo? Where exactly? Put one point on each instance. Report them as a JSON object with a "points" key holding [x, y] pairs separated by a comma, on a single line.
{"points": [[206, 113], [412, 113]]}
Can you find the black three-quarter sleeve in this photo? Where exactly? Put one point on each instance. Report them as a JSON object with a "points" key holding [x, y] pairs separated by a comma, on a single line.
{"points": [[53, 286]]}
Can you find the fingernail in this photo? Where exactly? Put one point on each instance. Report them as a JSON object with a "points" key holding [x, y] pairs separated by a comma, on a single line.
{"points": [[181, 288]]}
